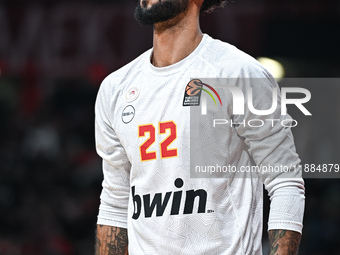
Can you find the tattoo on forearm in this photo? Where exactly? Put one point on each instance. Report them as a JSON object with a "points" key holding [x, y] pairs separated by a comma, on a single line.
{"points": [[111, 240], [97, 245], [283, 242]]}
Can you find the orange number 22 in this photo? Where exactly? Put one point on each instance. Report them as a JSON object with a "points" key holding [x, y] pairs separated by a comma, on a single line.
{"points": [[150, 129]]}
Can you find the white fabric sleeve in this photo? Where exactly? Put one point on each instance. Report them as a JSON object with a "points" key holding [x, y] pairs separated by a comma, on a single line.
{"points": [[273, 145], [116, 167]]}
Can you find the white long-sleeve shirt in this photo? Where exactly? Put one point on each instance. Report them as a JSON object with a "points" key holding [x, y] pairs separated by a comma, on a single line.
{"points": [[149, 143]]}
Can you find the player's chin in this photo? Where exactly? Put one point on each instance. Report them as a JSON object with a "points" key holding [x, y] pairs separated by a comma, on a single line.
{"points": [[146, 17], [160, 12], [141, 18]]}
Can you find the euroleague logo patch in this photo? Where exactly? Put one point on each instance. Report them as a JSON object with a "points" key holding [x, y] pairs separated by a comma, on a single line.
{"points": [[128, 114], [193, 90]]}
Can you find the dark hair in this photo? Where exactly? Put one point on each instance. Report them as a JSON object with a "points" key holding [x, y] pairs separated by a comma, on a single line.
{"points": [[210, 5]]}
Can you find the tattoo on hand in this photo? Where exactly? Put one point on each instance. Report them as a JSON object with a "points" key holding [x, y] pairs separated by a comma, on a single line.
{"points": [[111, 240], [283, 242]]}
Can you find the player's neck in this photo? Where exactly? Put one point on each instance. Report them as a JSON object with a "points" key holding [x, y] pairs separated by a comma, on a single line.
{"points": [[173, 43]]}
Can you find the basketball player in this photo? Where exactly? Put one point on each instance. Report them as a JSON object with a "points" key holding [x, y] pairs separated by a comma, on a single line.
{"points": [[149, 203]]}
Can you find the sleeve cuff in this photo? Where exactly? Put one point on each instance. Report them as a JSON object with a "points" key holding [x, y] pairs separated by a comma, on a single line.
{"points": [[287, 225], [109, 222], [112, 216]]}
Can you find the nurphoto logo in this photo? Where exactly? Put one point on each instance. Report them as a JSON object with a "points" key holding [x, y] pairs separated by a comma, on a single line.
{"points": [[243, 102]]}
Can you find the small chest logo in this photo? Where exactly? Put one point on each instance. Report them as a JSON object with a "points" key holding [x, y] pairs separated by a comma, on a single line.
{"points": [[132, 94], [128, 114]]}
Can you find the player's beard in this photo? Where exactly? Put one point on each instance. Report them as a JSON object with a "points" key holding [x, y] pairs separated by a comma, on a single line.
{"points": [[161, 11]]}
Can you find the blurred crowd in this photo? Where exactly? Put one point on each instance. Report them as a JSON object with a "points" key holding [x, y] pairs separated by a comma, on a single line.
{"points": [[50, 178]]}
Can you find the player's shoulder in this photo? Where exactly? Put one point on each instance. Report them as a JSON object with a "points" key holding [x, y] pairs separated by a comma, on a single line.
{"points": [[113, 85], [233, 61], [117, 78]]}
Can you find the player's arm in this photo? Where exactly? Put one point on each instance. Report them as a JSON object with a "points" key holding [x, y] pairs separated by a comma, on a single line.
{"points": [[111, 240], [283, 242], [111, 234], [273, 144]]}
